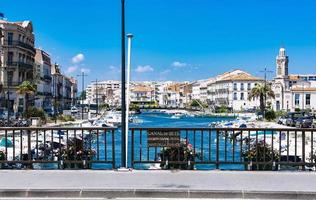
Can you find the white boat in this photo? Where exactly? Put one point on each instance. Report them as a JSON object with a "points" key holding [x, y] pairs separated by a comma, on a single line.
{"points": [[102, 123], [177, 116], [113, 118]]}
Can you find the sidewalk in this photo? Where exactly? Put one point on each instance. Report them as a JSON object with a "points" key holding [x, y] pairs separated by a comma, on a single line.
{"points": [[159, 184]]}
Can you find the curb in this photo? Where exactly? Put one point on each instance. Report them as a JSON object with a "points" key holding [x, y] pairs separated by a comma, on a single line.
{"points": [[154, 193]]}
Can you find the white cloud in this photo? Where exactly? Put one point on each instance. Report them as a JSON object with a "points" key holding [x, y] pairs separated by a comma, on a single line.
{"points": [[143, 69], [112, 67], [72, 69], [78, 58], [179, 64], [165, 72], [85, 70]]}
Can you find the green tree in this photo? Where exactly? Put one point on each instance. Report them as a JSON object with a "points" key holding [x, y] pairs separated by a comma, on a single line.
{"points": [[261, 91], [27, 89]]}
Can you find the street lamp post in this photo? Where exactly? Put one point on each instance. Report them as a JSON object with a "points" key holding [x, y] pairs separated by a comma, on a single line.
{"points": [[82, 98], [123, 101]]}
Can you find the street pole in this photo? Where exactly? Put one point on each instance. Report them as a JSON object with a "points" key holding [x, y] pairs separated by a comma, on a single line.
{"points": [[303, 98], [129, 47], [265, 92], [82, 98], [97, 95], [55, 98], [123, 101]]}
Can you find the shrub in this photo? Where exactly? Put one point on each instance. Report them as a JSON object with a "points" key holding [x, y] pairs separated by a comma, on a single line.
{"points": [[270, 115], [262, 153], [66, 118], [34, 112], [280, 113], [77, 150], [184, 154], [297, 109], [2, 155], [222, 109]]}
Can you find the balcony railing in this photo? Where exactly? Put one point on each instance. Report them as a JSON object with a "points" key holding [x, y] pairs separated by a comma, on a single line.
{"points": [[165, 148], [20, 65], [21, 44]]}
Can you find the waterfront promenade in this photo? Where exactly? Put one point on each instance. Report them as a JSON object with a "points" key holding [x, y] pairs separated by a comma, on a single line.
{"points": [[157, 184]]}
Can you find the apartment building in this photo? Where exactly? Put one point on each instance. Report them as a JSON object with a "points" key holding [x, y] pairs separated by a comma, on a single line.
{"points": [[108, 92], [17, 60], [142, 94], [43, 78], [231, 89]]}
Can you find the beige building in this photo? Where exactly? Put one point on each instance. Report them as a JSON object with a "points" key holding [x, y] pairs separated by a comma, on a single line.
{"points": [[231, 89], [17, 56], [43, 80]]}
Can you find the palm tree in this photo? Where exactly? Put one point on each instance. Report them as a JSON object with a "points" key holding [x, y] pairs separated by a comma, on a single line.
{"points": [[26, 89], [261, 92]]}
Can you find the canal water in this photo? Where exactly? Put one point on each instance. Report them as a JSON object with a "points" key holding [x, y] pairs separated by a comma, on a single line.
{"points": [[205, 143]]}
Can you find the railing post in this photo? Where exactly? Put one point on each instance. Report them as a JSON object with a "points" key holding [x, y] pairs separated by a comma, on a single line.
{"points": [[29, 150], [132, 150], [217, 149], [303, 150]]}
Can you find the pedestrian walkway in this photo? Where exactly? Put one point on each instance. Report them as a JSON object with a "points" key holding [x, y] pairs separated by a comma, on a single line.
{"points": [[158, 184]]}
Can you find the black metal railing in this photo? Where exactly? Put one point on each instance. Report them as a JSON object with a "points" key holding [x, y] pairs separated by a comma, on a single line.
{"points": [[57, 148], [224, 148], [159, 148], [20, 64], [24, 45]]}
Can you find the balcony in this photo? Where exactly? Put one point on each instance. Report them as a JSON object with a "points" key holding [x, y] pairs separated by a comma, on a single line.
{"points": [[24, 45], [47, 78], [21, 65]]}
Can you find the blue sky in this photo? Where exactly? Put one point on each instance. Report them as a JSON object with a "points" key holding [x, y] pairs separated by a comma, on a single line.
{"points": [[173, 39]]}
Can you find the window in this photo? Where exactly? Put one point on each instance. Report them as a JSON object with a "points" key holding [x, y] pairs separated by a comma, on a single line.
{"points": [[242, 96], [235, 95], [235, 86], [10, 57], [241, 86], [10, 38], [308, 99], [297, 99], [249, 86], [10, 78]]}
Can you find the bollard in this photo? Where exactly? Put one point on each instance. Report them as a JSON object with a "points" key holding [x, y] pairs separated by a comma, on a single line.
{"points": [[250, 166]]}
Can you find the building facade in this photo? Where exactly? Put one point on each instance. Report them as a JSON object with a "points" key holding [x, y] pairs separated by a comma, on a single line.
{"points": [[43, 78], [17, 60], [232, 89], [292, 91]]}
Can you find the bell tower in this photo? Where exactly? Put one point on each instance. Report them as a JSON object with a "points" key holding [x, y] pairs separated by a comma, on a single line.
{"points": [[282, 61]]}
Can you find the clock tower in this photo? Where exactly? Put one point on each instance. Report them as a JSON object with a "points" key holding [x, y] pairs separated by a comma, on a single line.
{"points": [[282, 61]]}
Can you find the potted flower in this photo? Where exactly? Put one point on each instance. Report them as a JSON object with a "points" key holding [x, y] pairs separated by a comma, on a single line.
{"points": [[184, 155], [2, 157], [260, 152], [76, 150]]}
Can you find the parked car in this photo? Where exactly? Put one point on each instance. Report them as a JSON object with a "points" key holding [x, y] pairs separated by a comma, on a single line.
{"points": [[282, 120], [74, 110], [292, 117], [304, 122], [314, 124]]}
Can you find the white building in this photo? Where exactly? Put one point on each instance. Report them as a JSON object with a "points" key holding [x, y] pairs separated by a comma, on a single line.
{"points": [[108, 92], [142, 94], [231, 89], [292, 91]]}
